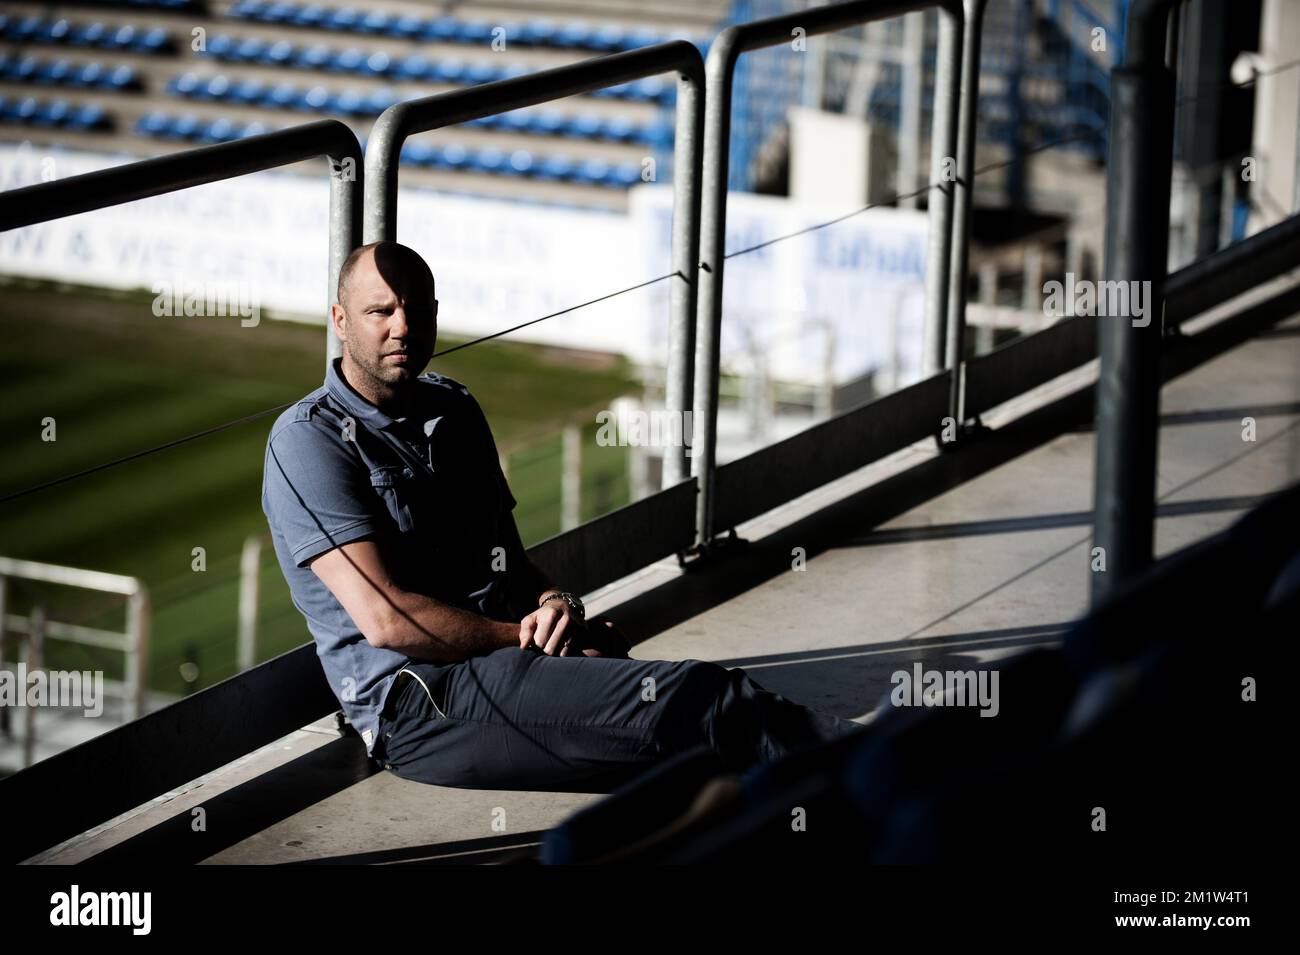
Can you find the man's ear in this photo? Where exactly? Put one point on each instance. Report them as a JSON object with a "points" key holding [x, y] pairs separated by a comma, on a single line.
{"points": [[338, 318]]}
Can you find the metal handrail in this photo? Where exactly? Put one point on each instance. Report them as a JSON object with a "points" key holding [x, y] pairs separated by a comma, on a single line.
{"points": [[196, 167], [725, 50], [398, 122]]}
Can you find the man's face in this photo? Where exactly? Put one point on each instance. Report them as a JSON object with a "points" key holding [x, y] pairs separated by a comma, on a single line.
{"points": [[391, 322]]}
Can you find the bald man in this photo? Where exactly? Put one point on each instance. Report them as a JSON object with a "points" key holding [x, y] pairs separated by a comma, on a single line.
{"points": [[457, 659]]}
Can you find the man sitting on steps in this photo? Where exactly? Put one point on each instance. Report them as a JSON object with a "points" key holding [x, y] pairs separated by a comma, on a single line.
{"points": [[456, 659]]}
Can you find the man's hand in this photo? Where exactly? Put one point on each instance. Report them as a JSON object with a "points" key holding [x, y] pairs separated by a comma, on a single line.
{"points": [[550, 628], [555, 630]]}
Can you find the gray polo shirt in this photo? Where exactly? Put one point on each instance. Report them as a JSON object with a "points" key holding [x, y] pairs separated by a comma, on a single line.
{"points": [[428, 485]]}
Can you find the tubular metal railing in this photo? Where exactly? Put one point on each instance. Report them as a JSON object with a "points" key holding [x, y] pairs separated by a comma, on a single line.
{"points": [[446, 109], [725, 50], [196, 167]]}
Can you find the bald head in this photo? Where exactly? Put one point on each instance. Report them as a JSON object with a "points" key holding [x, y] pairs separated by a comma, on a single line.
{"points": [[386, 317], [400, 266]]}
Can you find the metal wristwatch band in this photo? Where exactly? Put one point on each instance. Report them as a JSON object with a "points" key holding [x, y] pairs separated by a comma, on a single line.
{"points": [[574, 602]]}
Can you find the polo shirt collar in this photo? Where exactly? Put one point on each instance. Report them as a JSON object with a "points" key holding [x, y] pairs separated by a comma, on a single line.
{"points": [[355, 405]]}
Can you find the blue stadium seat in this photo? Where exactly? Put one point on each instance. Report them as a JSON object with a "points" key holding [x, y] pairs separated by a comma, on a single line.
{"points": [[635, 39], [57, 32], [248, 91], [489, 159], [348, 61], [281, 96], [516, 121], [473, 31], [621, 130], [154, 40], [253, 129], [27, 109], [522, 163], [26, 29], [477, 73], [312, 15], [219, 131], [449, 71], [92, 74], [344, 19], [278, 12], [606, 39], [316, 99], [442, 30], [376, 64], [592, 171], [451, 156], [550, 122], [407, 27], [573, 36], [123, 38], [413, 67], [279, 53], [624, 175], [350, 103], [379, 100], [88, 116], [538, 33], [416, 153], [222, 47], [315, 57], [58, 72], [185, 127], [585, 126], [249, 50], [375, 21], [152, 124], [557, 166], [217, 87], [122, 78], [187, 84], [44, 114]]}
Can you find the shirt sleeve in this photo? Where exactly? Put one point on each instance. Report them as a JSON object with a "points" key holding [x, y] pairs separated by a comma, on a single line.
{"points": [[508, 501], [314, 493]]}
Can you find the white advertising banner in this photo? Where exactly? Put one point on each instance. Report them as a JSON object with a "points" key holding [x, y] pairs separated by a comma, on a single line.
{"points": [[841, 300]]}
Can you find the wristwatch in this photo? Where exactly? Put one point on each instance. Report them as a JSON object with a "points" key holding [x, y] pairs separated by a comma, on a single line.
{"points": [[573, 600]]}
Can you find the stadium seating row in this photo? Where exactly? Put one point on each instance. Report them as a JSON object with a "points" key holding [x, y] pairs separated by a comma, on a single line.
{"points": [[96, 35], [31, 69], [450, 156], [604, 38], [61, 113], [250, 92], [196, 5], [413, 68]]}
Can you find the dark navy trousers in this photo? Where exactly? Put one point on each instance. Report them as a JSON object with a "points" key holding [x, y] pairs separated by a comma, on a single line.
{"points": [[519, 719]]}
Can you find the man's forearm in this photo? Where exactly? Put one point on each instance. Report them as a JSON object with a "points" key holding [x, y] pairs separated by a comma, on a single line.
{"points": [[429, 629]]}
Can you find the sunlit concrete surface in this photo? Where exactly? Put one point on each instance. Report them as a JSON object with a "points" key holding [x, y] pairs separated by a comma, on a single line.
{"points": [[949, 559]]}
